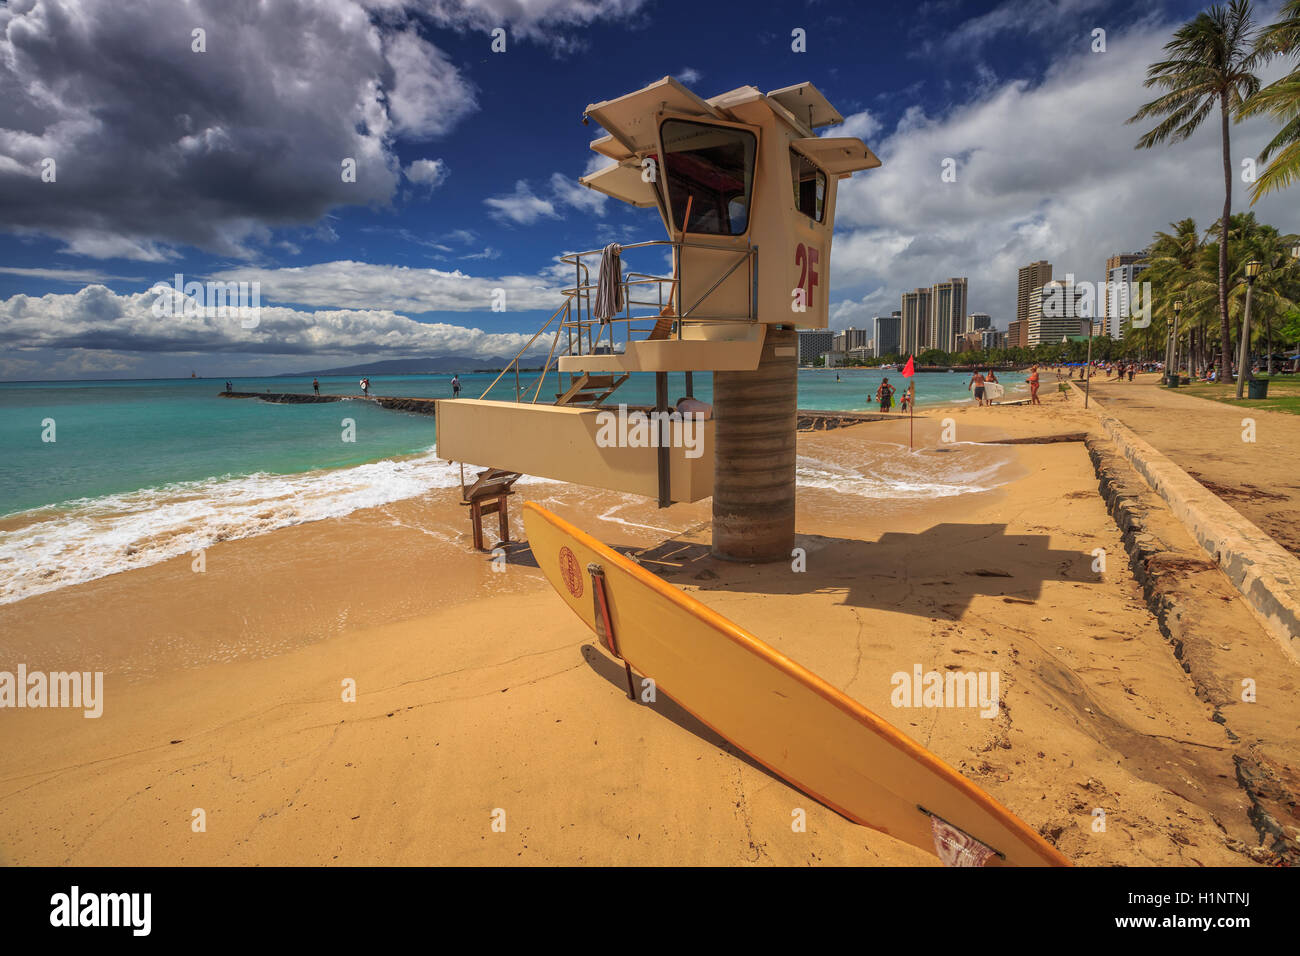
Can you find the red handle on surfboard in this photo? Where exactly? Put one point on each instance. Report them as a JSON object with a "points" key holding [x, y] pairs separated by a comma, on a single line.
{"points": [[605, 626]]}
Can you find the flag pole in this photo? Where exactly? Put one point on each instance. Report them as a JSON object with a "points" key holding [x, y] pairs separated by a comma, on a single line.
{"points": [[909, 370]]}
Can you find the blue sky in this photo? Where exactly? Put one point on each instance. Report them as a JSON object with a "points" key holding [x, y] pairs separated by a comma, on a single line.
{"points": [[222, 163]]}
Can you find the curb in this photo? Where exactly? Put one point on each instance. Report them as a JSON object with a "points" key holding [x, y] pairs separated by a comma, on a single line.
{"points": [[1267, 575], [1159, 571]]}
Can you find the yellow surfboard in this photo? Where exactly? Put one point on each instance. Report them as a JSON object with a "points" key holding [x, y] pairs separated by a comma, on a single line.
{"points": [[776, 711]]}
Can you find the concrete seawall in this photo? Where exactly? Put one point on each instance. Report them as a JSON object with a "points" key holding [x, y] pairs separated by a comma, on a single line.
{"points": [[421, 406], [1265, 573]]}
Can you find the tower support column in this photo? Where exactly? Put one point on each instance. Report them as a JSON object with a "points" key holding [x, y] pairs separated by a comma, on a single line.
{"points": [[755, 417]]}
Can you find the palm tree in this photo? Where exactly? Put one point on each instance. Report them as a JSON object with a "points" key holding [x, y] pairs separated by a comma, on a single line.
{"points": [[1277, 290], [1172, 262], [1211, 62], [1282, 100]]}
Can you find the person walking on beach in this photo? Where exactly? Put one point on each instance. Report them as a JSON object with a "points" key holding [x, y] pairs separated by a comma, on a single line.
{"points": [[455, 386], [365, 387], [1033, 386], [977, 380], [885, 395], [315, 386], [1130, 372]]}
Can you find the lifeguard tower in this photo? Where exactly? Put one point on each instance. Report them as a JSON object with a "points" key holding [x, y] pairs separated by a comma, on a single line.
{"points": [[746, 192]]}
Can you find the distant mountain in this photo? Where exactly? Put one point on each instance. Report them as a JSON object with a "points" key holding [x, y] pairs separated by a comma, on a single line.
{"points": [[416, 366]]}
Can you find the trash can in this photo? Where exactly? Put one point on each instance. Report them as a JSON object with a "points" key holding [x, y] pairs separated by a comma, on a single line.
{"points": [[1257, 388], [1172, 381]]}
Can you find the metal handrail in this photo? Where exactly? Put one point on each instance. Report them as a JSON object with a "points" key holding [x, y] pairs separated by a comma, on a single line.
{"points": [[581, 293]]}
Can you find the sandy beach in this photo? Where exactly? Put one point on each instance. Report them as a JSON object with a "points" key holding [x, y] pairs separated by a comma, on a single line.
{"points": [[477, 691]]}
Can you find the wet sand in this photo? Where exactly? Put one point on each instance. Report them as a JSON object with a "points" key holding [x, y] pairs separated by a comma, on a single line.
{"points": [[477, 691]]}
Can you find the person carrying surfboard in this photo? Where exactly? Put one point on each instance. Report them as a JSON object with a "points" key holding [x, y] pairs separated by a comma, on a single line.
{"points": [[885, 395]]}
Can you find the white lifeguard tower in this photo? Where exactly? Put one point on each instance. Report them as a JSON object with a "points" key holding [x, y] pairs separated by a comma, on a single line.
{"points": [[746, 192]]}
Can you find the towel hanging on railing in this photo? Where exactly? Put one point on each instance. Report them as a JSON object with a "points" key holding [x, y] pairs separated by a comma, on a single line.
{"points": [[609, 284]]}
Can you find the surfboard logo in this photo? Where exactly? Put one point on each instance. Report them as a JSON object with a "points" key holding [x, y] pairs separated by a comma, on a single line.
{"points": [[571, 572]]}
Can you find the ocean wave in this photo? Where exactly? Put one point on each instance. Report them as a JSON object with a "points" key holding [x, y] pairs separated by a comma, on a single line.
{"points": [[91, 538], [894, 472]]}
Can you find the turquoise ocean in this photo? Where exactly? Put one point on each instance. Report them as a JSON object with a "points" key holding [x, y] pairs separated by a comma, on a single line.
{"points": [[141, 471]]}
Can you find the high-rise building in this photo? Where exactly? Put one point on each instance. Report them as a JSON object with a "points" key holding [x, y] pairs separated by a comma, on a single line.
{"points": [[814, 343], [887, 333], [1018, 335], [851, 338], [1032, 278], [1056, 312], [978, 320], [914, 328], [993, 339], [947, 314], [856, 338], [1117, 303]]}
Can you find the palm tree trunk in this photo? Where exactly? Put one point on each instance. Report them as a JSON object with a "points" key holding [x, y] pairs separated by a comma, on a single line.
{"points": [[1226, 358]]}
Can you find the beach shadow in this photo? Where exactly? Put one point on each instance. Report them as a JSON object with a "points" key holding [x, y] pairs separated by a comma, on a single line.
{"points": [[612, 671], [517, 553], [933, 573]]}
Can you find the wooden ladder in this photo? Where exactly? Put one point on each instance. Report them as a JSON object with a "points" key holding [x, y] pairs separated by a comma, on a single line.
{"points": [[589, 389]]}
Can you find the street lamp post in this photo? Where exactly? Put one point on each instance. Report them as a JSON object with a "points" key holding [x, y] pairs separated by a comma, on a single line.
{"points": [[1171, 352], [1243, 358], [1087, 368]]}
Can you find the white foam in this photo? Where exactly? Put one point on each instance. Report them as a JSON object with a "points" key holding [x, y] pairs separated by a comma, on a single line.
{"points": [[93, 537], [894, 472]]}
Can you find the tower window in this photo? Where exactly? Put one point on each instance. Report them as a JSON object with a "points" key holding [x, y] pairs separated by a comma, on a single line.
{"points": [[809, 186], [711, 168]]}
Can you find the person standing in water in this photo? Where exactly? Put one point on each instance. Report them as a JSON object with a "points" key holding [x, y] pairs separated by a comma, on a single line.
{"points": [[455, 386], [885, 395]]}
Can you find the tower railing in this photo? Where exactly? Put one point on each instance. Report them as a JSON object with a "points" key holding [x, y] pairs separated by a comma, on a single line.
{"points": [[648, 302]]}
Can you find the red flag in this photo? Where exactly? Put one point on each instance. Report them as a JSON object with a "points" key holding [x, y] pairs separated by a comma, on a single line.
{"points": [[908, 371]]}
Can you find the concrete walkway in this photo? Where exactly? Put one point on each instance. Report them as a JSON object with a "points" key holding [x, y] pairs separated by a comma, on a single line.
{"points": [[1209, 440]]}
